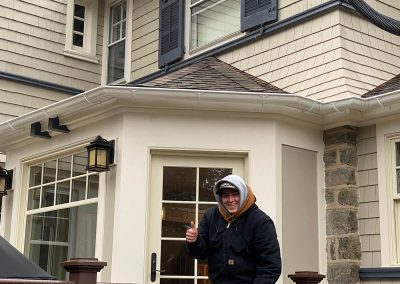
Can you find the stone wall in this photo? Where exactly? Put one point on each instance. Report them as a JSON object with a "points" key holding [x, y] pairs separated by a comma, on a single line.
{"points": [[342, 200]]}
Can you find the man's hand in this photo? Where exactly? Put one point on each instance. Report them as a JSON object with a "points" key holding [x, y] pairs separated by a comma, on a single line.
{"points": [[192, 233]]}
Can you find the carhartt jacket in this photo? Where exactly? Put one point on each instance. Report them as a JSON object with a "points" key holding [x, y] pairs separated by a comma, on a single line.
{"points": [[246, 251]]}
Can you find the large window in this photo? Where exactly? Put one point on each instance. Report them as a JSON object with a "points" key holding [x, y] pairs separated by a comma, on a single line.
{"points": [[116, 45], [212, 20], [61, 212]]}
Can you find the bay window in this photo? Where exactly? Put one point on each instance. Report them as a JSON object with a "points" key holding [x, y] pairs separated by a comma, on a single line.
{"points": [[61, 215]]}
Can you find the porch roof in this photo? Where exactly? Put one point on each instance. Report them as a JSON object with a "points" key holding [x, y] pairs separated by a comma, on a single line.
{"points": [[15, 265], [388, 86], [211, 74]]}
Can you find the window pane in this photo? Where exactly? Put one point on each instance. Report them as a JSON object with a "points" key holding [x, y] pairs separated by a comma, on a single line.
{"points": [[202, 270], [79, 25], [78, 189], [214, 19], [202, 210], [48, 195], [64, 168], [397, 154], [179, 183], [77, 40], [116, 61], [207, 178], [35, 175], [116, 14], [398, 180], [93, 186], [62, 192], [54, 236], [123, 29], [79, 11], [175, 260], [34, 198], [116, 33], [80, 164], [49, 172], [175, 218], [124, 10]]}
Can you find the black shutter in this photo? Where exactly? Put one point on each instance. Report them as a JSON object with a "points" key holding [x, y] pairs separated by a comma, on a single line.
{"points": [[170, 46], [257, 12]]}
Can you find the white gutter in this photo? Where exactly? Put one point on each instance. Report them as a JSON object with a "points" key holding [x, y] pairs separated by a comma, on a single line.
{"points": [[149, 95]]}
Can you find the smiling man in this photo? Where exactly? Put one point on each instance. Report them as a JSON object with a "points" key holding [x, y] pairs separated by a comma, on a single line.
{"points": [[238, 239]]}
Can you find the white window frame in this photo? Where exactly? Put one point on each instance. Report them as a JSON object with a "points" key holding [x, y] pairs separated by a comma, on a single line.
{"points": [[88, 51], [128, 41], [387, 181], [212, 44], [20, 229]]}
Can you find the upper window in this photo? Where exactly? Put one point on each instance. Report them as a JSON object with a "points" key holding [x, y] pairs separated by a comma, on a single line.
{"points": [[81, 30], [212, 20], [116, 45], [61, 212]]}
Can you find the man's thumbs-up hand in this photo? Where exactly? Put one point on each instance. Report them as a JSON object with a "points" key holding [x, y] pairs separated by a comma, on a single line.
{"points": [[192, 233]]}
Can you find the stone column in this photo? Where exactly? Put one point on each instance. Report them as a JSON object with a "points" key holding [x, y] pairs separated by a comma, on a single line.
{"points": [[341, 194]]}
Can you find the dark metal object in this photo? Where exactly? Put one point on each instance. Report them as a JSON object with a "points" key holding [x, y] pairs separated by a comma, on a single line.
{"points": [[36, 131], [54, 124]]}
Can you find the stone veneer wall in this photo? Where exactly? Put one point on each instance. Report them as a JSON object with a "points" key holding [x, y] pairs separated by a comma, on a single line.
{"points": [[342, 200]]}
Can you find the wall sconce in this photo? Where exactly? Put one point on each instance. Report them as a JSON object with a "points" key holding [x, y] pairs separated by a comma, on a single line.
{"points": [[6, 177], [100, 155]]}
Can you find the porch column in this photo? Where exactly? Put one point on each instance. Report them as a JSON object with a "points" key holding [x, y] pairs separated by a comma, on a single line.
{"points": [[341, 194]]}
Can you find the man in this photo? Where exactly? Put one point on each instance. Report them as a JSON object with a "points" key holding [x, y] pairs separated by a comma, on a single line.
{"points": [[238, 238]]}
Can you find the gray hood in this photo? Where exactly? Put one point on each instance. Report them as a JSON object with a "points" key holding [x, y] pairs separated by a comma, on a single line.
{"points": [[235, 180]]}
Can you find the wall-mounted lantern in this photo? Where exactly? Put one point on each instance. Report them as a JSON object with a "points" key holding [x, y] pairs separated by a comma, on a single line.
{"points": [[100, 155], [6, 177]]}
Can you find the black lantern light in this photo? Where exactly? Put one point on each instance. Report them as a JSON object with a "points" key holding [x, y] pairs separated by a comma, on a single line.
{"points": [[100, 155], [6, 177]]}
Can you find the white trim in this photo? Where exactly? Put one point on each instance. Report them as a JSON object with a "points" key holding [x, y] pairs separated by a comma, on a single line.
{"points": [[88, 51]]}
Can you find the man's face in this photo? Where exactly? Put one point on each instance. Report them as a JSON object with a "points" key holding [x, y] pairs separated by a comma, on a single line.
{"points": [[230, 200]]}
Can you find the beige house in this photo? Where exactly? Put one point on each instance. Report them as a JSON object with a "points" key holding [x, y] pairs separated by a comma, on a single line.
{"points": [[300, 97]]}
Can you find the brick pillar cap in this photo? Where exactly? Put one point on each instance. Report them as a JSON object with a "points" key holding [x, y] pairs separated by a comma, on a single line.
{"points": [[75, 264], [306, 275]]}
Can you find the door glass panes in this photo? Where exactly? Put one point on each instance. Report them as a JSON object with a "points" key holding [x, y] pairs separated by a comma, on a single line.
{"points": [[176, 218], [207, 178], [35, 175], [186, 195], [175, 260], [179, 183]]}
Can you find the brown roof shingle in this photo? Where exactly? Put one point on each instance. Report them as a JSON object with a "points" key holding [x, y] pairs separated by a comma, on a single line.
{"points": [[212, 74], [389, 86]]}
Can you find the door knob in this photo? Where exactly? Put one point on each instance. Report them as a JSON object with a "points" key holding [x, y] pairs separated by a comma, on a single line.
{"points": [[154, 269]]}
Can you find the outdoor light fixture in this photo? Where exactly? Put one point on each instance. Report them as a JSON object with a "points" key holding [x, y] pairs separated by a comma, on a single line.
{"points": [[100, 155], [6, 177]]}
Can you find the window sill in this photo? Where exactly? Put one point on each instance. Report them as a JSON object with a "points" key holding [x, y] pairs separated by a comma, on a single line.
{"points": [[379, 273], [81, 56]]}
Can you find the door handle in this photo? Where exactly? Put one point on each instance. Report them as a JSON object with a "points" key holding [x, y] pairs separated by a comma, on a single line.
{"points": [[154, 269]]}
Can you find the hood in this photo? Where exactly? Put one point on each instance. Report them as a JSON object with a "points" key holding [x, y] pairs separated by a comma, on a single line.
{"points": [[235, 180]]}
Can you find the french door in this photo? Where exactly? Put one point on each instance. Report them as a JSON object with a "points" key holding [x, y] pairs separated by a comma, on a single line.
{"points": [[180, 192]]}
